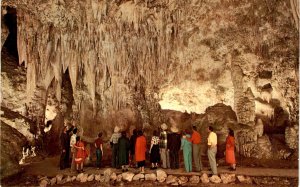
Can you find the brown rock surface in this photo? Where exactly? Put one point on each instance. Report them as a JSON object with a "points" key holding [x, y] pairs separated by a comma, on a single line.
{"points": [[119, 63], [12, 143]]}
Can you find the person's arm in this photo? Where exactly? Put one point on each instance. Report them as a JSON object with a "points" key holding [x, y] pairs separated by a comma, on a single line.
{"points": [[182, 143], [101, 147], [209, 141], [95, 145], [63, 142], [178, 142], [168, 142], [191, 139], [145, 143], [151, 144], [230, 142], [78, 147], [70, 130]]}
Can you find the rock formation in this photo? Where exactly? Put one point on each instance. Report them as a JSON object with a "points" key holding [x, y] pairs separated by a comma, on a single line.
{"points": [[12, 142], [107, 63]]}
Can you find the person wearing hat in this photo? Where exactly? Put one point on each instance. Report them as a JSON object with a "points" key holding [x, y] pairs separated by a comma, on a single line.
{"points": [[114, 145], [174, 144], [163, 142]]}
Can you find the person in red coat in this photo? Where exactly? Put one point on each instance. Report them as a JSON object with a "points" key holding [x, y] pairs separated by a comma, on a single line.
{"points": [[230, 157], [80, 154], [140, 151]]}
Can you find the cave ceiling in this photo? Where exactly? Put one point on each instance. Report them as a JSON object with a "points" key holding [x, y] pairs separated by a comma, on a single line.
{"points": [[184, 55]]}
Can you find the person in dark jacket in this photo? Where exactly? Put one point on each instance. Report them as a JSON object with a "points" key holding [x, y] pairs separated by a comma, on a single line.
{"points": [[99, 150], [115, 147], [174, 143], [124, 146], [154, 150], [132, 147], [65, 146]]}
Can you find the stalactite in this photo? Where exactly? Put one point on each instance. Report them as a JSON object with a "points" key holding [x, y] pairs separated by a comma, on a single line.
{"points": [[111, 44], [295, 10]]}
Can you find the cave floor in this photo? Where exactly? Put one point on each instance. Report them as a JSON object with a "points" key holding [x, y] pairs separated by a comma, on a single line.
{"points": [[49, 167]]}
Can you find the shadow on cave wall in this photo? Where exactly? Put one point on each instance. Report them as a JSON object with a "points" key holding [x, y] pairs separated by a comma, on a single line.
{"points": [[10, 20]]}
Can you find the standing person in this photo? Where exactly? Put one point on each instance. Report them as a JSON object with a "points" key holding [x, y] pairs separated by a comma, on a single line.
{"points": [[114, 145], [140, 151], [124, 146], [99, 150], [132, 147], [73, 149], [80, 154], [212, 149], [163, 146], [196, 140], [65, 145], [230, 157], [186, 146], [174, 143], [154, 150]]}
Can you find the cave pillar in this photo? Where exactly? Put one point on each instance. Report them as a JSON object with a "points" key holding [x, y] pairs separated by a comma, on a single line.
{"points": [[244, 106], [36, 107], [244, 103]]}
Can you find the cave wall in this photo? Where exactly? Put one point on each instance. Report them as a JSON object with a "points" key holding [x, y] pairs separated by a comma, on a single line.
{"points": [[127, 60]]}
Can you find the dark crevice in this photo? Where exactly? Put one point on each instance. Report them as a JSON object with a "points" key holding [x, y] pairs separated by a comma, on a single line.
{"points": [[10, 20]]}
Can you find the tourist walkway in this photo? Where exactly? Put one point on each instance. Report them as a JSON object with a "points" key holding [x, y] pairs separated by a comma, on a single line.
{"points": [[49, 167]]}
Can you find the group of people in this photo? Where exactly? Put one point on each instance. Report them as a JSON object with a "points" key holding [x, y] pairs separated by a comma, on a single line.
{"points": [[164, 149], [122, 147], [73, 149]]}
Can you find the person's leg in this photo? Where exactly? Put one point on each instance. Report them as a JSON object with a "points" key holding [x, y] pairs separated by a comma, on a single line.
{"points": [[185, 160], [78, 167], [143, 166], [114, 156], [212, 159], [168, 159], [163, 157], [117, 157], [172, 165], [196, 156], [67, 158], [81, 166], [200, 158], [177, 160], [62, 160], [190, 160], [98, 157], [73, 161]]}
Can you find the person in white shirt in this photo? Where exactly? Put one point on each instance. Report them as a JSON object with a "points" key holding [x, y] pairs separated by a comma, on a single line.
{"points": [[73, 149], [212, 149]]}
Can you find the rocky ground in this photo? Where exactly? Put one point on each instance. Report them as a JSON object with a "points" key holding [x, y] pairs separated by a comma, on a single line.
{"points": [[46, 173]]}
